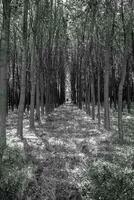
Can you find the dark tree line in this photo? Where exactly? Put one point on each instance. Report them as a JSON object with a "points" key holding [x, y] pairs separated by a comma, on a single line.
{"points": [[33, 53], [102, 59]]}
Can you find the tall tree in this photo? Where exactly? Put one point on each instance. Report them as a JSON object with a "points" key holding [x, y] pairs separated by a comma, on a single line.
{"points": [[33, 82], [107, 64], [4, 54], [126, 34], [23, 70]]}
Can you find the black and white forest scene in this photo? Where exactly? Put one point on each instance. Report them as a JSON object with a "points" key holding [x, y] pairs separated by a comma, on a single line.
{"points": [[66, 99]]}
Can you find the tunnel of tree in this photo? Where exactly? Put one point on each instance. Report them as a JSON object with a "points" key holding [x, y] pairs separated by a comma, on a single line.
{"points": [[52, 51], [41, 41]]}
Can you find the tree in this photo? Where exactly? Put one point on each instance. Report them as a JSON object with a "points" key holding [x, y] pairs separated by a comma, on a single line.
{"points": [[23, 70], [4, 54], [126, 34]]}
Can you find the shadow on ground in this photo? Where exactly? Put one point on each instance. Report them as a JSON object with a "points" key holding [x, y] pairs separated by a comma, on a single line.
{"points": [[62, 149]]}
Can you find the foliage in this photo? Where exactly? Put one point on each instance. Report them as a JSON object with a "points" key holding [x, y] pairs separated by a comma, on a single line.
{"points": [[107, 181], [14, 177]]}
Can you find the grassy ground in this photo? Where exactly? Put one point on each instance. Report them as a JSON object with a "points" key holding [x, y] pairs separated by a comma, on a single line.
{"points": [[65, 156]]}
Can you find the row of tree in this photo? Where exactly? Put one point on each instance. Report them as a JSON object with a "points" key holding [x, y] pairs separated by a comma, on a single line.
{"points": [[33, 49], [102, 56]]}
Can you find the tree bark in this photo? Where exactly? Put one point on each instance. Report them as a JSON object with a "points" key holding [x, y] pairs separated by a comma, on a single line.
{"points": [[123, 73], [93, 96], [23, 71], [106, 91], [42, 93], [13, 71], [120, 104], [32, 75], [37, 97], [4, 52], [98, 85]]}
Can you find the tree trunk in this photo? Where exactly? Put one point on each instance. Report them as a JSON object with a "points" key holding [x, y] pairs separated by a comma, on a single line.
{"points": [[37, 98], [4, 52], [98, 85], [42, 93], [128, 88], [123, 72], [88, 95], [106, 91], [32, 75], [86, 89], [13, 71], [114, 94], [120, 95], [23, 72], [79, 84], [93, 96]]}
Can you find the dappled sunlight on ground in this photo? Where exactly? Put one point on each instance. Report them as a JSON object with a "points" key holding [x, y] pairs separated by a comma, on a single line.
{"points": [[66, 143]]}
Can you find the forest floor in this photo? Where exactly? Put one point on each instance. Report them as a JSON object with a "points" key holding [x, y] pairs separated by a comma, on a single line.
{"points": [[64, 146]]}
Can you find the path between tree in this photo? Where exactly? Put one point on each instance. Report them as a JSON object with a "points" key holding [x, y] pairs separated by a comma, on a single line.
{"points": [[64, 146]]}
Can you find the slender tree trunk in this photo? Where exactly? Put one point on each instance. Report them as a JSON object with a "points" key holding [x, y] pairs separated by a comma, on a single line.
{"points": [[37, 97], [23, 72], [98, 85], [123, 73], [42, 93], [79, 83], [33, 80], [92, 86], [17, 88], [109, 33], [91, 61], [73, 84], [120, 104], [4, 52], [13, 70], [77, 87], [93, 96], [106, 91], [88, 94], [86, 89], [114, 94], [128, 89]]}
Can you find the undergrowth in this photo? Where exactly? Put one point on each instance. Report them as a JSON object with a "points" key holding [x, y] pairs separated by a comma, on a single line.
{"points": [[15, 176], [106, 181]]}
